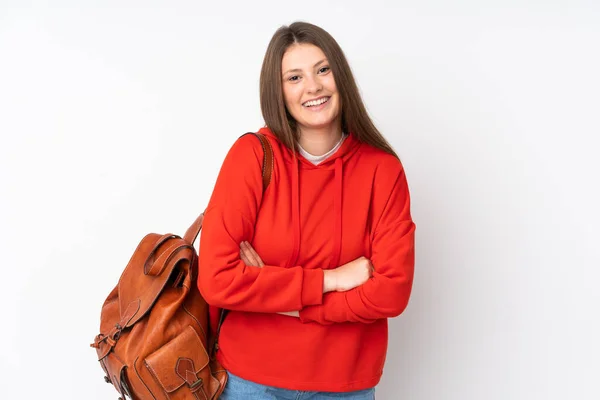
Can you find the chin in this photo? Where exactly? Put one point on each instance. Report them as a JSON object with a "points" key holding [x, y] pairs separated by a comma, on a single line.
{"points": [[320, 122], [317, 125]]}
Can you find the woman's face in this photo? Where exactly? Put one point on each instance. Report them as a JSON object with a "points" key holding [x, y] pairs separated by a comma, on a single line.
{"points": [[309, 90]]}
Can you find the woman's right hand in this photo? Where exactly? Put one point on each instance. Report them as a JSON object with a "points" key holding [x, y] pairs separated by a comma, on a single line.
{"points": [[348, 276]]}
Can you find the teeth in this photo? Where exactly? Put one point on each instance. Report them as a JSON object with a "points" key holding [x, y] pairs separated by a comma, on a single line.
{"points": [[316, 102]]}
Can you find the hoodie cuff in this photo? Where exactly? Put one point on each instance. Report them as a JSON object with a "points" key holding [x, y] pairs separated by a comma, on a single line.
{"points": [[312, 287], [311, 314]]}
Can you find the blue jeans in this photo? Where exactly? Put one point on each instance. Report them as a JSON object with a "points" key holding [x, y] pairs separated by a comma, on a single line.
{"points": [[241, 389]]}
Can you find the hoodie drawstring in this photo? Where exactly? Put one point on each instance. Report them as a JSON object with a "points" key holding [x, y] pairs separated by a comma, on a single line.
{"points": [[337, 211], [295, 213]]}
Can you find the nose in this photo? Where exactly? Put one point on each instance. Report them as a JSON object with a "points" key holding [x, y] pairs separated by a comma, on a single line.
{"points": [[313, 85]]}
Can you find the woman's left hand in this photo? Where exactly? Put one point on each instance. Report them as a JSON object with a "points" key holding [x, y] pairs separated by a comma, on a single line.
{"points": [[251, 258]]}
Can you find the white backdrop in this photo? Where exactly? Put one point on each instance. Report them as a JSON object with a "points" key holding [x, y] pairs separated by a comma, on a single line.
{"points": [[115, 117]]}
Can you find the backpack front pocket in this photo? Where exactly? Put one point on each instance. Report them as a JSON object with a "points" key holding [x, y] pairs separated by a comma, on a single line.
{"points": [[181, 368]]}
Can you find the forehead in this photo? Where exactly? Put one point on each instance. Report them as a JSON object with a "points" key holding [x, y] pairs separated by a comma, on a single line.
{"points": [[301, 56]]}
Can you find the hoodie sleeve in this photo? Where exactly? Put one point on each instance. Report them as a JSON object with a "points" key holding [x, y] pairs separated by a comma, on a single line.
{"points": [[224, 280], [386, 294]]}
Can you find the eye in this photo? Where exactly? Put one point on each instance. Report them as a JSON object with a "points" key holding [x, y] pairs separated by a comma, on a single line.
{"points": [[324, 69], [293, 78]]}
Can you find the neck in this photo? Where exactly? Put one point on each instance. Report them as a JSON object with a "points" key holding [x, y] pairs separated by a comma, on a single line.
{"points": [[320, 140]]}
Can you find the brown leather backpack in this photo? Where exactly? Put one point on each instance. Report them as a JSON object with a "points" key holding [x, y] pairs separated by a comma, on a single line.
{"points": [[155, 335]]}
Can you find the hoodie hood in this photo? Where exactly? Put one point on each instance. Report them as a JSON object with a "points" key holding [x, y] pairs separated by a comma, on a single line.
{"points": [[335, 161], [346, 151]]}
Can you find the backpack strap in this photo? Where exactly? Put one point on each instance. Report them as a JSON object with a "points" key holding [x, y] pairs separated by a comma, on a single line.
{"points": [[192, 233], [267, 166], [267, 170]]}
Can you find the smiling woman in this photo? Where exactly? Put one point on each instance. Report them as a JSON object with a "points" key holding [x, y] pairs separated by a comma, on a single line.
{"points": [[311, 268], [310, 95]]}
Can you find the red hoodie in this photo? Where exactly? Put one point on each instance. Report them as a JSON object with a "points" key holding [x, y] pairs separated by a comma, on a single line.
{"points": [[356, 203]]}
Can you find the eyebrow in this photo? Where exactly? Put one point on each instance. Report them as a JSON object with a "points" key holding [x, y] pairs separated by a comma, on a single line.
{"points": [[299, 70]]}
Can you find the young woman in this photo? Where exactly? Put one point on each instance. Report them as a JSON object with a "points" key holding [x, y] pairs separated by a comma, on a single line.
{"points": [[312, 268]]}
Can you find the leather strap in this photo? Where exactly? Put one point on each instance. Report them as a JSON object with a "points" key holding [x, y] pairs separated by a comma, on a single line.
{"points": [[267, 171], [194, 230], [267, 168]]}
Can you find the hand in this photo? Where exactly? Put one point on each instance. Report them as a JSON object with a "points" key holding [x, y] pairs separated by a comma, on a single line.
{"points": [[249, 256], [290, 313], [348, 276]]}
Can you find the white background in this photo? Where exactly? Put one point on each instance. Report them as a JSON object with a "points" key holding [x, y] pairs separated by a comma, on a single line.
{"points": [[116, 116]]}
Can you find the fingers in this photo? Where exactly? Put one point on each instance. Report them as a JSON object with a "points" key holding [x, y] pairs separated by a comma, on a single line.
{"points": [[249, 255], [253, 255], [244, 258]]}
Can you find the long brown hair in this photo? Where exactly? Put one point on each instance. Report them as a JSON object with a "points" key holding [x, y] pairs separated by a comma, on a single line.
{"points": [[355, 118]]}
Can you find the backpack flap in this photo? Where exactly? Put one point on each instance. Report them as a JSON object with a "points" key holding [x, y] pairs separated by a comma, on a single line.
{"points": [[148, 272]]}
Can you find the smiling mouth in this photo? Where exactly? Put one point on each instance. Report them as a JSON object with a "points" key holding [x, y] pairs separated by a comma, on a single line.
{"points": [[317, 102]]}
